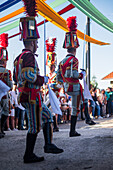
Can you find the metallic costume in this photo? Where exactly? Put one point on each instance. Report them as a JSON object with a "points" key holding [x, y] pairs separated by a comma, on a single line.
{"points": [[27, 77], [55, 86], [29, 82], [67, 73], [51, 62]]}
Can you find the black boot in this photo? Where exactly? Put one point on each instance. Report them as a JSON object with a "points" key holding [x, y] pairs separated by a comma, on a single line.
{"points": [[73, 133], [55, 129], [1, 134], [3, 121], [49, 147], [29, 156], [90, 122], [81, 110]]}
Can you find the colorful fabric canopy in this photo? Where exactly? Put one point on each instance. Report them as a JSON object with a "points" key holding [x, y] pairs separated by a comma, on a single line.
{"points": [[9, 27], [8, 4], [89, 9], [47, 12], [16, 23], [11, 15], [56, 3], [64, 10]]}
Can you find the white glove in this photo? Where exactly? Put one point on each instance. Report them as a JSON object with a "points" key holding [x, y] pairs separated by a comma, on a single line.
{"points": [[51, 85], [46, 79], [84, 73], [59, 86]]}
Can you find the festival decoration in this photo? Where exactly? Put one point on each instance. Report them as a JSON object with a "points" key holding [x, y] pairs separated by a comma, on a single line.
{"points": [[47, 12], [51, 55], [89, 10], [3, 44]]}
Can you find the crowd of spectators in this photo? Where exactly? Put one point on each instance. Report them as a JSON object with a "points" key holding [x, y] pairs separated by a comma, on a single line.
{"points": [[100, 107], [102, 104], [17, 118]]}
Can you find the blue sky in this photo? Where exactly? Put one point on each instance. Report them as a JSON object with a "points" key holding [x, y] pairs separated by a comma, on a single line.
{"points": [[101, 56]]}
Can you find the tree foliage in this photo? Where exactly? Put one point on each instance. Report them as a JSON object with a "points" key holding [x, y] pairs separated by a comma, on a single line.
{"points": [[94, 82]]}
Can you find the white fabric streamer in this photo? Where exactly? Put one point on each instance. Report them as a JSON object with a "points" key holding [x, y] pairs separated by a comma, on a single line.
{"points": [[54, 102], [3, 89], [87, 94]]}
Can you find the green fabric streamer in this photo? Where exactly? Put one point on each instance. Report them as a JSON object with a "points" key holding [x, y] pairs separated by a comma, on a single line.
{"points": [[57, 3], [15, 24], [9, 27], [89, 9]]}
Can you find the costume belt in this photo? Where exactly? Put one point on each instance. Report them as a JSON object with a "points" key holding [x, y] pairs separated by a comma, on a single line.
{"points": [[33, 94], [70, 81]]}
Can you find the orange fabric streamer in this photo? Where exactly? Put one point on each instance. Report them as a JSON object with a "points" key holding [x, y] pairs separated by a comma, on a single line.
{"points": [[13, 14]]}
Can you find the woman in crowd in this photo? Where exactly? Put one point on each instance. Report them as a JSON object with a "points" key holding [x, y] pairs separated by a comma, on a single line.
{"points": [[96, 102]]}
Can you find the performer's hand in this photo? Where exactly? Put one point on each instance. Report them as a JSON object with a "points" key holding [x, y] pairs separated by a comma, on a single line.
{"points": [[84, 73], [46, 79], [46, 87], [59, 86], [51, 85]]}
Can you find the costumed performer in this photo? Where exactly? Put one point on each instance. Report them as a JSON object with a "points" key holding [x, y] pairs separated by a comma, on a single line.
{"points": [[51, 61], [27, 77], [68, 74]]}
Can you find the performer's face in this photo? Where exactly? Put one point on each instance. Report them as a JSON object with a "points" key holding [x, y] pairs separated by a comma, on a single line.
{"points": [[52, 68], [5, 63], [74, 51]]}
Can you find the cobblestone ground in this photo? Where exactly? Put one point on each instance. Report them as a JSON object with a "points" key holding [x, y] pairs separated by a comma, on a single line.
{"points": [[92, 150]]}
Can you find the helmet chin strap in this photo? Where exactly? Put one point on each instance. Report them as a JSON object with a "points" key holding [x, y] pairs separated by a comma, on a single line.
{"points": [[36, 55]]}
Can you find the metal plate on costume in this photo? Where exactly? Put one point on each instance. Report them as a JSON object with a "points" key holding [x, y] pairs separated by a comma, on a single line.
{"points": [[75, 39], [66, 86], [50, 56], [76, 87], [67, 40], [31, 24], [67, 73], [4, 53]]}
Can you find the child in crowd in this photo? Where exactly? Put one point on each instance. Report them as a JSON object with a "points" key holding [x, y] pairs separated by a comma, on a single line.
{"points": [[64, 107]]}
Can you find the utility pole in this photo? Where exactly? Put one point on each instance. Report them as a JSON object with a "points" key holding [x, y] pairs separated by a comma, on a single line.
{"points": [[88, 54], [44, 48], [44, 59]]}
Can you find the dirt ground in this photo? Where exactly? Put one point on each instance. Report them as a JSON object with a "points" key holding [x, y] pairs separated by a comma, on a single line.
{"points": [[92, 150]]}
